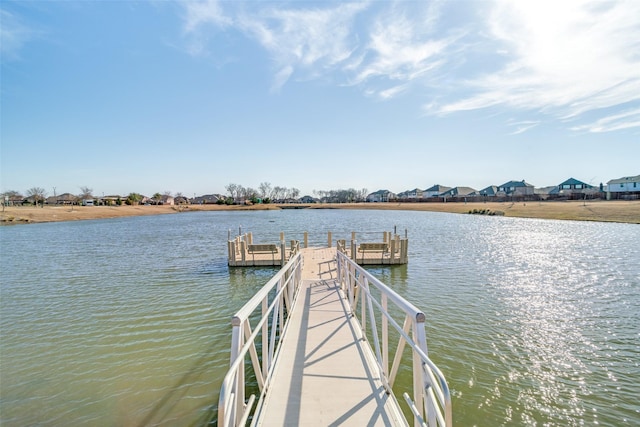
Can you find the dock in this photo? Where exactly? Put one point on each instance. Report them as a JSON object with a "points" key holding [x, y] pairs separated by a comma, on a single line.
{"points": [[326, 374], [320, 352], [377, 248]]}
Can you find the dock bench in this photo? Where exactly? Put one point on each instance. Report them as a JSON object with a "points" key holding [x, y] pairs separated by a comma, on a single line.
{"points": [[262, 249], [373, 247]]}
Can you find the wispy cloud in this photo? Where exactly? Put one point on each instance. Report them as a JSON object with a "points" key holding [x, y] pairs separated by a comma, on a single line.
{"points": [[14, 35], [203, 12], [524, 126], [625, 120], [199, 17], [389, 47], [556, 60], [400, 49], [564, 58], [313, 40]]}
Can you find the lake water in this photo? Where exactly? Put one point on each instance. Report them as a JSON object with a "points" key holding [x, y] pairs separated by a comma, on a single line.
{"points": [[127, 321]]}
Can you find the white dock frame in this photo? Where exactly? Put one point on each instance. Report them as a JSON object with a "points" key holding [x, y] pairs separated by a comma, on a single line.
{"points": [[313, 364]]}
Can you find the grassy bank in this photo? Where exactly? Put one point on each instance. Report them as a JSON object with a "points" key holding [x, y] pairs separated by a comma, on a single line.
{"points": [[599, 210]]}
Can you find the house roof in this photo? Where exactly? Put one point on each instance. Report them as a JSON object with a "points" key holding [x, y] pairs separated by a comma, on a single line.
{"points": [[414, 191], [438, 188], [553, 189], [625, 179], [516, 184], [381, 192], [459, 191], [488, 191], [573, 181]]}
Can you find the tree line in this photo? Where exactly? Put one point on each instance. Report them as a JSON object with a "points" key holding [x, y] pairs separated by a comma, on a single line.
{"points": [[236, 193]]}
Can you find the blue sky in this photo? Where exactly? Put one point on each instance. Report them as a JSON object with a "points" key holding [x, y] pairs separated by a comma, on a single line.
{"points": [[190, 96]]}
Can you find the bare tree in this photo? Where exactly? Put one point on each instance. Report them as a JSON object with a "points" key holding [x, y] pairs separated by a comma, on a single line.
{"points": [[86, 193], [249, 193], [278, 192], [265, 190], [294, 192], [232, 190], [38, 194]]}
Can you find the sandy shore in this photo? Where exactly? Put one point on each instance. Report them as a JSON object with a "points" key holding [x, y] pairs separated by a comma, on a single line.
{"points": [[599, 210]]}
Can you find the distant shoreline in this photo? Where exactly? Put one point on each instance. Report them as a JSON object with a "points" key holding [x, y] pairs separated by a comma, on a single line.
{"points": [[596, 210]]}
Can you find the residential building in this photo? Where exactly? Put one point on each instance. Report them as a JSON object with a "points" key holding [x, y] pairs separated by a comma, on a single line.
{"points": [[416, 193], [381, 196], [207, 199], [628, 186], [308, 199], [458, 192], [489, 191], [167, 200], [571, 189], [435, 191], [572, 185], [515, 188]]}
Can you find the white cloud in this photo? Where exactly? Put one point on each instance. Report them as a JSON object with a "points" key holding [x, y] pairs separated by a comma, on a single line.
{"points": [[314, 40], [14, 34], [391, 46], [625, 120], [561, 59], [524, 126], [566, 58], [399, 52], [202, 12], [281, 78]]}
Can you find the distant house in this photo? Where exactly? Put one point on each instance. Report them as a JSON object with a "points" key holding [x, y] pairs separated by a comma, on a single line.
{"points": [[515, 188], [625, 187], [489, 191], [112, 200], [545, 193], [308, 199], [458, 192], [416, 193], [572, 188], [167, 200], [207, 199], [381, 196], [435, 191], [62, 199], [572, 185]]}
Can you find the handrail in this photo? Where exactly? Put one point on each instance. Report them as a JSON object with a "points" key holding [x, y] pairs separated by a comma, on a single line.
{"points": [[431, 397], [232, 408]]}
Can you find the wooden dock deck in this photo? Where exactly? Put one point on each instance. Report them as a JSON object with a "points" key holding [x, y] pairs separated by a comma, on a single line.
{"points": [[325, 374]]}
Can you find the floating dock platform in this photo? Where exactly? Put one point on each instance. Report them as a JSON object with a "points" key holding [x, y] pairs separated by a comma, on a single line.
{"points": [[391, 249]]}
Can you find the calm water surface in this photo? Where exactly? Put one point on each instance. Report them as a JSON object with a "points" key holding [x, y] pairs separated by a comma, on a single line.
{"points": [[126, 321]]}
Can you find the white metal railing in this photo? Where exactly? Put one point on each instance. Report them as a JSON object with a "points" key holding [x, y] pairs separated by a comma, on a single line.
{"points": [[276, 300], [431, 402]]}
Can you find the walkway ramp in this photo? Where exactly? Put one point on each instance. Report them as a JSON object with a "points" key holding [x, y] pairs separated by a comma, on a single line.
{"points": [[298, 348], [325, 374]]}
